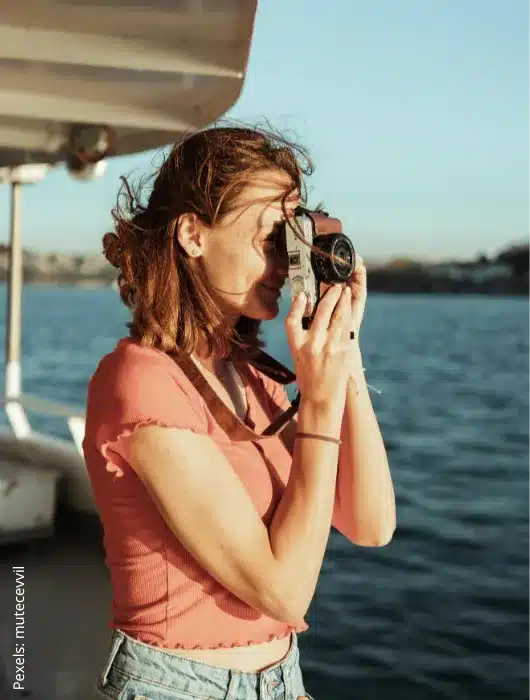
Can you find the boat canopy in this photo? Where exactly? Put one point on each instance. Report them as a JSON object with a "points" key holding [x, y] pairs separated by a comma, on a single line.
{"points": [[82, 81], [122, 75]]}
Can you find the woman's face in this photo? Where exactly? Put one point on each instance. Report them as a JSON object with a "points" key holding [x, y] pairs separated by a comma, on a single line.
{"points": [[244, 267]]}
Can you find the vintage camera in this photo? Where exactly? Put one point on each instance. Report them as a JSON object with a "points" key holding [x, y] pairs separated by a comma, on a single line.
{"points": [[307, 269]]}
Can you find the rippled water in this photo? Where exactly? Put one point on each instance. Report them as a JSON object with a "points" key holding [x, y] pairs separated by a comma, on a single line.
{"points": [[441, 612]]}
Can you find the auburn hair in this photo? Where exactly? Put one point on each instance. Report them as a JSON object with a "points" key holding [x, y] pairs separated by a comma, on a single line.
{"points": [[167, 290]]}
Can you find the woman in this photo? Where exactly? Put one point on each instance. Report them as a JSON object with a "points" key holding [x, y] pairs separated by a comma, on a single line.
{"points": [[214, 546]]}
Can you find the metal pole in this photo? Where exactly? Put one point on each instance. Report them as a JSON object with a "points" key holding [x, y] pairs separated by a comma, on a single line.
{"points": [[13, 380], [14, 299]]}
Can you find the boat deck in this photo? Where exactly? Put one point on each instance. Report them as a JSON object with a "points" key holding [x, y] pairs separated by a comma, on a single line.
{"points": [[67, 599]]}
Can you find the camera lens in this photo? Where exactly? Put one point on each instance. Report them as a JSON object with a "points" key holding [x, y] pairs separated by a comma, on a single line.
{"points": [[343, 251], [331, 271]]}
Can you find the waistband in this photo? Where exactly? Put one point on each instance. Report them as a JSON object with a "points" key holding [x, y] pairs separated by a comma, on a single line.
{"points": [[129, 658]]}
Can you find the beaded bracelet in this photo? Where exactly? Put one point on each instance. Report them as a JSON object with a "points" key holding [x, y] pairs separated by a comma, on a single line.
{"points": [[318, 437]]}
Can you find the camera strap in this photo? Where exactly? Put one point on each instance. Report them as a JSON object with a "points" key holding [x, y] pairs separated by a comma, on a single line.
{"points": [[232, 425]]}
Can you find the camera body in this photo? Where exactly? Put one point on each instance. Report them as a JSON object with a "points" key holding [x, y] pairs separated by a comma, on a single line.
{"points": [[308, 269]]}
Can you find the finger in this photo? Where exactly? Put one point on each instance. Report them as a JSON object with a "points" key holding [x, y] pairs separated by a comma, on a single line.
{"points": [[340, 320], [293, 320], [326, 306], [349, 321], [359, 270]]}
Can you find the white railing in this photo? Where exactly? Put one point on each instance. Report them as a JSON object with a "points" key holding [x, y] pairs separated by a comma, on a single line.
{"points": [[15, 409]]}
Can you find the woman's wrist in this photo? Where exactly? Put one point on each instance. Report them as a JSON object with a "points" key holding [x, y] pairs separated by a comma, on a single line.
{"points": [[356, 366], [356, 360]]}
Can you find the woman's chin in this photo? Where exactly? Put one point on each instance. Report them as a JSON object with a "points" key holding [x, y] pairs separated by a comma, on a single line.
{"points": [[262, 312], [270, 304], [263, 306]]}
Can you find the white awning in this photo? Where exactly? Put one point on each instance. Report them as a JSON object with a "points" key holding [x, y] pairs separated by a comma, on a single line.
{"points": [[149, 69]]}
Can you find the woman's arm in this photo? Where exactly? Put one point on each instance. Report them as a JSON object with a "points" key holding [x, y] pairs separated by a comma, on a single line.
{"points": [[208, 509], [365, 510]]}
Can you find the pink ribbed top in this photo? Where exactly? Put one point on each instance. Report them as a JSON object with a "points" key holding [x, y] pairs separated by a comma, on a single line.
{"points": [[161, 595]]}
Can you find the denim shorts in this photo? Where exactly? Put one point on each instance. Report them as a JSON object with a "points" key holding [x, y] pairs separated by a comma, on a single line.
{"points": [[138, 671]]}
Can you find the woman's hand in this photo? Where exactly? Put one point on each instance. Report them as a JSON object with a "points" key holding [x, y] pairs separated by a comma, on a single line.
{"points": [[322, 351], [359, 290]]}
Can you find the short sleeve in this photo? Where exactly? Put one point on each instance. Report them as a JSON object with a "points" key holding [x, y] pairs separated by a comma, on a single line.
{"points": [[133, 390]]}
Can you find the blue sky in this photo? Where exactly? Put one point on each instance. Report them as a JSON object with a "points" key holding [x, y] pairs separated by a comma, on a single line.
{"points": [[415, 112]]}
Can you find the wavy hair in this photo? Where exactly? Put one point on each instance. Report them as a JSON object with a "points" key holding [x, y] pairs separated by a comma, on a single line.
{"points": [[168, 291]]}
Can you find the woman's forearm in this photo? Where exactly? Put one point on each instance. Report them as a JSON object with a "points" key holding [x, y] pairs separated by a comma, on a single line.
{"points": [[366, 510], [300, 528]]}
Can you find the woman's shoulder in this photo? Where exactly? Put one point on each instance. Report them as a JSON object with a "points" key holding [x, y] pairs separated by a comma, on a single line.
{"points": [[129, 353], [131, 366], [134, 383]]}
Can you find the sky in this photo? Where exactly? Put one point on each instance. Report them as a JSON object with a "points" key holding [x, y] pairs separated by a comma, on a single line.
{"points": [[415, 113]]}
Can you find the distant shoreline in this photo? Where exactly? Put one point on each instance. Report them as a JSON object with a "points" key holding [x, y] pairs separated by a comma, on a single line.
{"points": [[505, 274], [397, 287]]}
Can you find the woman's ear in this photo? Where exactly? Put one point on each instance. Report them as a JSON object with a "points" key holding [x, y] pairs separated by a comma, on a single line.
{"points": [[190, 234]]}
